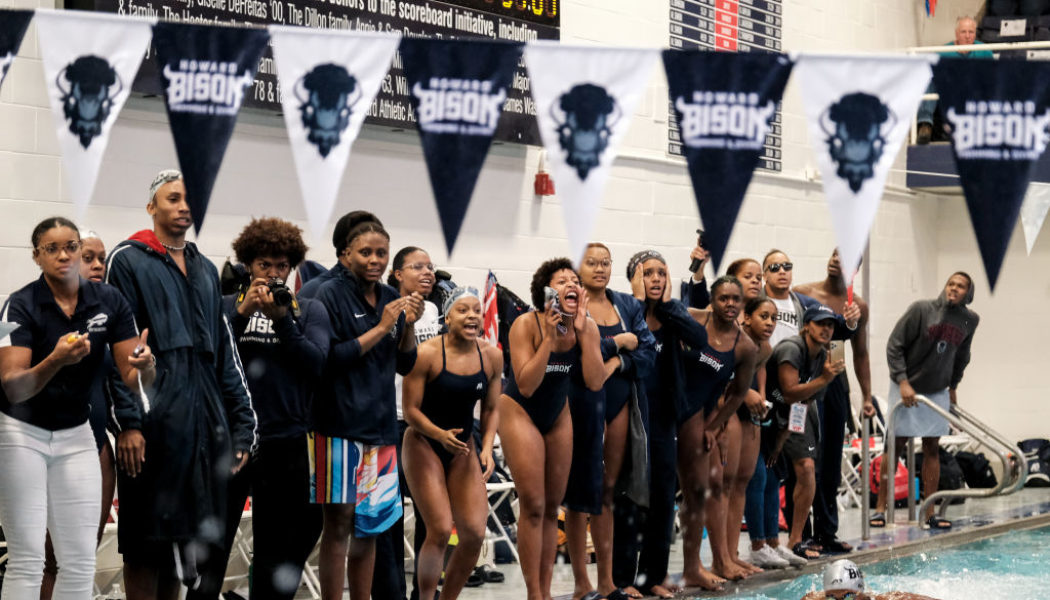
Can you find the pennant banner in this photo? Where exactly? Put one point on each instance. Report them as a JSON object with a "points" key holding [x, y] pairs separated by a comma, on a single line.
{"points": [[998, 112], [585, 98], [859, 110], [1033, 212], [88, 80], [724, 104], [13, 24], [329, 81], [457, 90], [204, 72]]}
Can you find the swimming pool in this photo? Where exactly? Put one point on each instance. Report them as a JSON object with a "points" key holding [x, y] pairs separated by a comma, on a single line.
{"points": [[1010, 566]]}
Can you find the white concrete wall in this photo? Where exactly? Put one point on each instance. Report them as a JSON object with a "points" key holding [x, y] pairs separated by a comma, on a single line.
{"points": [[916, 241]]}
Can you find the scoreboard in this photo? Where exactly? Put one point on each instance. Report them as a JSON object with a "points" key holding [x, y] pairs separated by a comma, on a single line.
{"points": [[729, 26]]}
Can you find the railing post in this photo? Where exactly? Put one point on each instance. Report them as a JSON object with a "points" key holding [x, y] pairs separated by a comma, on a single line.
{"points": [[910, 464], [865, 477]]}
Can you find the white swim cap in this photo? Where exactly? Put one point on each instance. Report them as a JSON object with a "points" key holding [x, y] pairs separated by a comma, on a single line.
{"points": [[843, 575]]}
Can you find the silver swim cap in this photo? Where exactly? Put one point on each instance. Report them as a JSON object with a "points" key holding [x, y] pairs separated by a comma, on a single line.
{"points": [[458, 294], [843, 575]]}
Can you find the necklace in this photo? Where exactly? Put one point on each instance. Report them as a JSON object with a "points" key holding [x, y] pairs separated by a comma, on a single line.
{"points": [[174, 248]]}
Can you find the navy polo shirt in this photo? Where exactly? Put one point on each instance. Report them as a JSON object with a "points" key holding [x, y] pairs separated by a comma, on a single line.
{"points": [[101, 312]]}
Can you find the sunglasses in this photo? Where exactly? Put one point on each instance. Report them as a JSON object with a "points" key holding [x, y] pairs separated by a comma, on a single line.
{"points": [[775, 267]]}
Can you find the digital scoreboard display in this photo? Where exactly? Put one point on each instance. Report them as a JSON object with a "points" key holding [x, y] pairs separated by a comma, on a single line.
{"points": [[730, 26], [508, 20]]}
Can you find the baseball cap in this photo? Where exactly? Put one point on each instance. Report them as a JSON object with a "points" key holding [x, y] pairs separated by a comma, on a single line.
{"points": [[843, 575], [818, 312]]}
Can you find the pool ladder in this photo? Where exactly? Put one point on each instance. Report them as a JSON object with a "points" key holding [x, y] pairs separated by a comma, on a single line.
{"points": [[1015, 466]]}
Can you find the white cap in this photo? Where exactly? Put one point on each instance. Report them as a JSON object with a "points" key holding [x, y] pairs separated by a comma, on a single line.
{"points": [[843, 575]]}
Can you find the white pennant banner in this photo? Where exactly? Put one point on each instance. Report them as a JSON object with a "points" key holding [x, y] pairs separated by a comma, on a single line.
{"points": [[90, 61], [859, 110], [585, 98], [1033, 212], [328, 81]]}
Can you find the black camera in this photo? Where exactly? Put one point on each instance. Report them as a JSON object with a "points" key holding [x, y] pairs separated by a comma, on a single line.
{"points": [[282, 296]]}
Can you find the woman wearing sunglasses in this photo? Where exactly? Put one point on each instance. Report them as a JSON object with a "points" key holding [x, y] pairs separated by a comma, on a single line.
{"points": [[50, 368]]}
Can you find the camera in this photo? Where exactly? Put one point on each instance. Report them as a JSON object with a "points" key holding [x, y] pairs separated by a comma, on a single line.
{"points": [[282, 296]]}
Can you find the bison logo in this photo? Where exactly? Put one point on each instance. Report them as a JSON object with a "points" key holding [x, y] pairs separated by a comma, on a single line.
{"points": [[88, 86], [857, 126], [585, 116], [327, 95]]}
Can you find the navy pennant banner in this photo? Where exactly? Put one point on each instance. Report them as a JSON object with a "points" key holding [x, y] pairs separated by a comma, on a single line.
{"points": [[457, 90], [204, 72], [724, 104], [13, 24], [998, 111]]}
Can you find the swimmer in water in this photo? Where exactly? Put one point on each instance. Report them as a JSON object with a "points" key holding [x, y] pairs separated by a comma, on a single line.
{"points": [[843, 580]]}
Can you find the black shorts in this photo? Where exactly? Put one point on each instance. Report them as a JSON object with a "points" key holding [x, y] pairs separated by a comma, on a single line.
{"points": [[805, 445]]}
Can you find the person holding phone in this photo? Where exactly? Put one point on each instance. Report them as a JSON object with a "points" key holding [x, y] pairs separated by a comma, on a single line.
{"points": [[694, 292], [558, 342]]}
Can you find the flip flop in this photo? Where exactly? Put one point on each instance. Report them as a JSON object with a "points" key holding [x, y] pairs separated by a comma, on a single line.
{"points": [[591, 595], [489, 574], [617, 594], [877, 520], [474, 580], [935, 522], [836, 546]]}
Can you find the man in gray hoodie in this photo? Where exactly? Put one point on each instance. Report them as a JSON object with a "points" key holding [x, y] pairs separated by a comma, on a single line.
{"points": [[927, 354]]}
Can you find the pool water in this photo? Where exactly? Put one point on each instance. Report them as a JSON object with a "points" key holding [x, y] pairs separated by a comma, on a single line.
{"points": [[1012, 566]]}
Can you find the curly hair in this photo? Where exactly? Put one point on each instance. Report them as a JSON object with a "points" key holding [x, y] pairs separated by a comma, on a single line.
{"points": [[542, 278], [270, 236]]}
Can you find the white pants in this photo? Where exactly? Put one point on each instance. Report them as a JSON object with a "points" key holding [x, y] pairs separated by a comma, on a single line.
{"points": [[49, 480]]}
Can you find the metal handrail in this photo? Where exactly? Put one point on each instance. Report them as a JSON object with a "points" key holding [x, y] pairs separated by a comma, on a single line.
{"points": [[1014, 463]]}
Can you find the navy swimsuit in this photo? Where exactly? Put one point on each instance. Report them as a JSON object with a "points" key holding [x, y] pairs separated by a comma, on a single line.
{"points": [[448, 401], [617, 387], [547, 402], [707, 373]]}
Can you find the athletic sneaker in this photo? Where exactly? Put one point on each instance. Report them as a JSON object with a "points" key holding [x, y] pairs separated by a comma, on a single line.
{"points": [[767, 558], [791, 557]]}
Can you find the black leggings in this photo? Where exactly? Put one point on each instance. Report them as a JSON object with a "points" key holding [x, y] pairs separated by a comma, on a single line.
{"points": [[663, 479]]}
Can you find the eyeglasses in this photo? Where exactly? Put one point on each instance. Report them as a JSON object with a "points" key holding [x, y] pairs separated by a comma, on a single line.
{"points": [[420, 266], [598, 263], [775, 267], [53, 248]]}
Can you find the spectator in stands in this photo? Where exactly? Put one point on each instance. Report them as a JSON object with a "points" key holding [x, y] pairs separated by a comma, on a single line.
{"points": [[836, 410], [549, 347], [177, 451], [796, 376], [843, 580], [927, 353], [283, 343], [51, 367], [965, 35], [694, 292]]}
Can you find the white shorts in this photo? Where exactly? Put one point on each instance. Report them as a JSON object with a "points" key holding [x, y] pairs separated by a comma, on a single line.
{"points": [[920, 420]]}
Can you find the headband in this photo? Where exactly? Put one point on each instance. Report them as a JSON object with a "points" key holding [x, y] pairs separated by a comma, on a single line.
{"points": [[641, 257], [165, 176], [458, 294]]}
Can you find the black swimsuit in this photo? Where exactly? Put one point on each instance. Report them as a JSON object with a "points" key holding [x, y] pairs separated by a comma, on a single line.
{"points": [[617, 386], [707, 373], [547, 402], [448, 401]]}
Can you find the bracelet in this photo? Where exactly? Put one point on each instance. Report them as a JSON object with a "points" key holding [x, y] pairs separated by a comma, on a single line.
{"points": [[855, 326]]}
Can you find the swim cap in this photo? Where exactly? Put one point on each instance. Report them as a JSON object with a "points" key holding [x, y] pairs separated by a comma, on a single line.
{"points": [[843, 575], [456, 295]]}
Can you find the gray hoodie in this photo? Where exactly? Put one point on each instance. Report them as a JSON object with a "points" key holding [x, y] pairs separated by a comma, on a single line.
{"points": [[930, 345]]}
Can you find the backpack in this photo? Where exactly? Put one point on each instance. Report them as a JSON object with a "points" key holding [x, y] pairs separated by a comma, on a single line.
{"points": [[951, 474], [976, 470], [1037, 451], [900, 482]]}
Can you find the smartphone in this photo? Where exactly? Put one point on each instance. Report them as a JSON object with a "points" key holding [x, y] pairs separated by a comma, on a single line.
{"points": [[550, 297], [837, 350]]}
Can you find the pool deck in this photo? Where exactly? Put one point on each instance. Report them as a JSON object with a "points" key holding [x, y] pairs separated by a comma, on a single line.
{"points": [[978, 518]]}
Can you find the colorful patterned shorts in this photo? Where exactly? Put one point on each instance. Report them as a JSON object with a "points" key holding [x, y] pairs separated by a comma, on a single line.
{"points": [[347, 472]]}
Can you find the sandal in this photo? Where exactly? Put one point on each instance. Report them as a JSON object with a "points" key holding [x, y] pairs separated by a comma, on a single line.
{"points": [[474, 580], [617, 594], [489, 574], [935, 522], [877, 520], [591, 595], [835, 546], [802, 550]]}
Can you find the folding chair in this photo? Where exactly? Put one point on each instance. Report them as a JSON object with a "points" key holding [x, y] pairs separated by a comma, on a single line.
{"points": [[500, 491]]}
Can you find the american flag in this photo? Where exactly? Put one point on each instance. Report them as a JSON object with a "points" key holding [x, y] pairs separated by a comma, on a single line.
{"points": [[488, 307]]}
